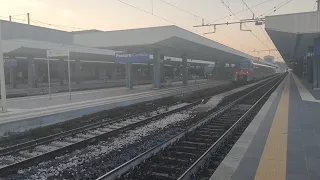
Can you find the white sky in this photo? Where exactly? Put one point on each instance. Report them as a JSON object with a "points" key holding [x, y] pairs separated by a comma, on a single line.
{"points": [[112, 14]]}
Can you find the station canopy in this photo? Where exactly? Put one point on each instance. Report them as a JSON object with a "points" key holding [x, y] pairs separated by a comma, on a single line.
{"points": [[38, 49], [171, 41], [293, 34]]}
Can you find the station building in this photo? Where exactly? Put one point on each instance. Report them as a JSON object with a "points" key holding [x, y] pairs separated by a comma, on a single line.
{"points": [[92, 55]]}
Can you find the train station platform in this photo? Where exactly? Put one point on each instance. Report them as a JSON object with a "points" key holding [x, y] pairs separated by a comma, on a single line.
{"points": [[282, 142], [30, 112]]}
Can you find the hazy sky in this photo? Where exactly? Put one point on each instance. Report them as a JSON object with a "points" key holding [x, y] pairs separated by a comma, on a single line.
{"points": [[112, 14]]}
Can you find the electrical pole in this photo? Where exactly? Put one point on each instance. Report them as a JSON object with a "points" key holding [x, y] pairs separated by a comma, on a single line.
{"points": [[2, 78], [28, 15], [10, 18]]}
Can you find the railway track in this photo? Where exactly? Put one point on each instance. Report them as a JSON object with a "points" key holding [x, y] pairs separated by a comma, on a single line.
{"points": [[33, 152], [183, 155], [30, 153]]}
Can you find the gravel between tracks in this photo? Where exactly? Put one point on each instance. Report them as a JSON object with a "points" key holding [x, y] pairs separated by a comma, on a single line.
{"points": [[95, 160]]}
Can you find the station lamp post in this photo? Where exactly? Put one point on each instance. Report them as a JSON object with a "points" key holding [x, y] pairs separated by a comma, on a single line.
{"points": [[2, 79]]}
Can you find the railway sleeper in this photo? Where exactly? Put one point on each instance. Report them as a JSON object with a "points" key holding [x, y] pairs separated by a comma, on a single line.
{"points": [[169, 160], [164, 169], [159, 176], [200, 140], [194, 143]]}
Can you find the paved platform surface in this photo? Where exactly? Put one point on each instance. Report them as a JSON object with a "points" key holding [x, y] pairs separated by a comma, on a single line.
{"points": [[25, 90], [308, 86], [282, 142], [31, 112], [57, 99]]}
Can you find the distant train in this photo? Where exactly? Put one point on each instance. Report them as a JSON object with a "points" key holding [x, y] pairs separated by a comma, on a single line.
{"points": [[209, 71], [245, 71], [251, 71]]}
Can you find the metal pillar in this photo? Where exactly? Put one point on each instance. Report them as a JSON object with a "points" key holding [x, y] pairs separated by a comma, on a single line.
{"points": [[77, 71], [184, 70], [102, 73], [13, 77], [310, 70], [2, 78], [316, 73], [32, 73], [150, 71], [114, 71], [61, 71], [156, 69], [318, 5], [316, 65], [129, 75], [162, 70]]}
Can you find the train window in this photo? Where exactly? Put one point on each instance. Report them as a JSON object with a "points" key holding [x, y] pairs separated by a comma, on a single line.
{"points": [[245, 65]]}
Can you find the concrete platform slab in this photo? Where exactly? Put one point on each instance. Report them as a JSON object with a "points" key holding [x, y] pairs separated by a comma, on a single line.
{"points": [[31, 112], [281, 142]]}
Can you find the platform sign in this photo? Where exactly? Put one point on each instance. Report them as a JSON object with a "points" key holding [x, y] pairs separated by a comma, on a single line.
{"points": [[57, 53], [10, 62], [132, 58]]}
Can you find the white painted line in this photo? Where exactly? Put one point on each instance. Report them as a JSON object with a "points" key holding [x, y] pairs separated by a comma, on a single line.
{"points": [[146, 86], [31, 113], [304, 93]]}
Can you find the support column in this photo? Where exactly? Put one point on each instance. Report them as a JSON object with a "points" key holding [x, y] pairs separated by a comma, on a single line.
{"points": [[13, 77], [316, 73], [77, 71], [150, 71], [61, 71], [114, 72], [129, 75], [316, 65], [310, 70], [162, 70], [184, 70], [101, 73], [156, 69], [32, 73]]}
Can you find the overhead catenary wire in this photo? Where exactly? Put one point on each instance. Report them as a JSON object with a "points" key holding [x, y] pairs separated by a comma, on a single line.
{"points": [[19, 14], [263, 31], [160, 17], [248, 8], [244, 24], [240, 20], [275, 8], [56, 25], [238, 12], [279, 7], [177, 7]]}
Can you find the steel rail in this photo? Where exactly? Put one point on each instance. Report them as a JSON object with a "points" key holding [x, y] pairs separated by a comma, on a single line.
{"points": [[200, 161], [122, 169]]}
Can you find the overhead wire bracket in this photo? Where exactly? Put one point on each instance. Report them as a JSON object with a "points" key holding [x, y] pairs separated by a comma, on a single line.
{"points": [[212, 32], [244, 29]]}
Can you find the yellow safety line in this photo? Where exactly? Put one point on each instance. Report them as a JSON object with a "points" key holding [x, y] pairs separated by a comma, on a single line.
{"points": [[273, 162]]}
